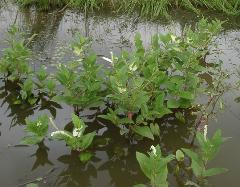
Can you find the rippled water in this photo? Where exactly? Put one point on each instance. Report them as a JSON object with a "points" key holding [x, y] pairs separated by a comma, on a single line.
{"points": [[114, 163]]}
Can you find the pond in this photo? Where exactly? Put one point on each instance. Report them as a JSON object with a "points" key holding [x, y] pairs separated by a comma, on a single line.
{"points": [[114, 162]]}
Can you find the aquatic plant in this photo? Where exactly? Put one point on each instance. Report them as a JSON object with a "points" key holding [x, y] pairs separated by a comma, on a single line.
{"points": [[208, 148], [37, 129], [77, 139], [148, 84], [81, 81], [154, 166], [14, 64]]}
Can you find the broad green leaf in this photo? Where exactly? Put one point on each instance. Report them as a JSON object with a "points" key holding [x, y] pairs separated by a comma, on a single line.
{"points": [[143, 131], [31, 140], [87, 140], [32, 100], [159, 101], [196, 163], [155, 129], [187, 95], [78, 123], [31, 185], [172, 103], [139, 185], [85, 156], [144, 163]]}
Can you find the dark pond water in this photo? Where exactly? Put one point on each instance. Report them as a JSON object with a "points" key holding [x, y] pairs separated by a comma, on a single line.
{"points": [[114, 163]]}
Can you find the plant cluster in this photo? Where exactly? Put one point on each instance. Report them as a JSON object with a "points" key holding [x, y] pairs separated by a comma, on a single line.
{"points": [[138, 88], [146, 85], [155, 167], [77, 140], [14, 64], [81, 81], [37, 128]]}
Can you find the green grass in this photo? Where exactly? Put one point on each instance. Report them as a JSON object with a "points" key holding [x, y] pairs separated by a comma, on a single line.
{"points": [[150, 8]]}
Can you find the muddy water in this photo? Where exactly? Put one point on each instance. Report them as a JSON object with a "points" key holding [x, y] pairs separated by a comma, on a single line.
{"points": [[114, 163]]}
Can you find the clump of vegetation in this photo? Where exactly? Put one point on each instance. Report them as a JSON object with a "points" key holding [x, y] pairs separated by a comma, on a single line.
{"points": [[47, 4], [43, 4], [80, 80], [14, 64], [151, 83], [156, 8], [139, 88], [155, 167], [77, 139], [38, 130]]}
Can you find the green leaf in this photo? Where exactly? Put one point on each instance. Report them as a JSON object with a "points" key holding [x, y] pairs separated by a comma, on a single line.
{"points": [[143, 131], [78, 123], [31, 140], [32, 101], [50, 84], [155, 129], [172, 103], [187, 95], [31, 185], [196, 163], [85, 156], [214, 171], [159, 102], [179, 155], [139, 185], [87, 140], [17, 102], [144, 163]]}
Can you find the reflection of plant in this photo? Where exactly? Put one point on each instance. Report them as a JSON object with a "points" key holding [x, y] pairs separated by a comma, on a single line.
{"points": [[41, 155], [77, 140], [155, 166], [38, 130], [14, 63], [200, 158], [76, 173]]}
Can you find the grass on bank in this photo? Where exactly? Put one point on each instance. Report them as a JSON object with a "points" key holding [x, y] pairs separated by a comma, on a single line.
{"points": [[150, 8]]}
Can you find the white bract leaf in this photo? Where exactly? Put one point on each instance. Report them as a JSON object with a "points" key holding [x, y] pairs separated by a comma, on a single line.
{"points": [[153, 149], [77, 132]]}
